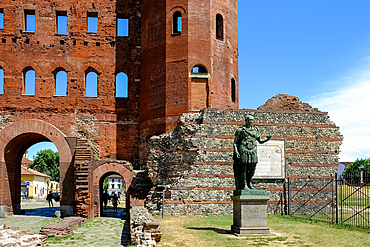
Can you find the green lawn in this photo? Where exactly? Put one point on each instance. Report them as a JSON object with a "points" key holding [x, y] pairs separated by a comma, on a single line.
{"points": [[213, 231]]}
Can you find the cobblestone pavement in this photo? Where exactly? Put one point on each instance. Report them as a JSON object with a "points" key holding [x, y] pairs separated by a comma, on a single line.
{"points": [[105, 231], [39, 208], [37, 214], [95, 232]]}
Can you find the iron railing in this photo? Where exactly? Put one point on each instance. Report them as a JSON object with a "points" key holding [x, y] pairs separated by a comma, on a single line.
{"points": [[354, 199], [344, 200]]}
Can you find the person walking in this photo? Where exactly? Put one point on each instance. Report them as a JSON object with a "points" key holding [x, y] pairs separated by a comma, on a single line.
{"points": [[49, 198], [115, 201], [105, 199]]}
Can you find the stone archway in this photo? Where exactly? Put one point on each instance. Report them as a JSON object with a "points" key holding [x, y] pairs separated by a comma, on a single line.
{"points": [[15, 139], [102, 169]]}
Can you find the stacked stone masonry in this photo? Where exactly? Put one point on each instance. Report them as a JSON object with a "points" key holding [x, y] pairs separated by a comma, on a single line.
{"points": [[196, 158], [15, 237]]}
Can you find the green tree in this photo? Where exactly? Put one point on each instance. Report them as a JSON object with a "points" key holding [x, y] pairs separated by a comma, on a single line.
{"points": [[354, 169], [105, 184], [47, 162]]}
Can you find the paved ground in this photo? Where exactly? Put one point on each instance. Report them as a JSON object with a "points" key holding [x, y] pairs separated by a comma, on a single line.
{"points": [[104, 231]]}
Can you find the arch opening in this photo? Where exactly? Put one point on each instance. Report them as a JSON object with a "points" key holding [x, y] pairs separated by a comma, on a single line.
{"points": [[199, 69], [40, 180], [199, 88], [121, 85], [233, 90], [177, 23], [112, 195], [29, 81], [35, 184], [14, 141], [118, 169], [61, 83], [1, 80], [219, 27], [91, 84]]}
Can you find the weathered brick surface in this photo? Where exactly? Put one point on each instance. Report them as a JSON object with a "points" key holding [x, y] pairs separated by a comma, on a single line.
{"points": [[62, 228], [113, 122], [156, 62], [166, 89], [12, 236], [110, 124]]}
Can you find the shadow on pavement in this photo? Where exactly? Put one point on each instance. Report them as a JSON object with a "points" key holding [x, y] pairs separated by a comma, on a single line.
{"points": [[125, 237], [34, 207], [45, 212], [110, 213]]}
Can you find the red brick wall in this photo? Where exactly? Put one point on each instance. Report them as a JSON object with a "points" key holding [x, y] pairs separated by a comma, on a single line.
{"points": [[156, 62], [167, 59], [116, 119]]}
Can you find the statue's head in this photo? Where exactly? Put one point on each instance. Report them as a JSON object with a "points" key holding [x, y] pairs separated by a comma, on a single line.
{"points": [[249, 120]]}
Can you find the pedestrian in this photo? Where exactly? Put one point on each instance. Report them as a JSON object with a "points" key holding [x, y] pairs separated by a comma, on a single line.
{"points": [[115, 201], [49, 198]]}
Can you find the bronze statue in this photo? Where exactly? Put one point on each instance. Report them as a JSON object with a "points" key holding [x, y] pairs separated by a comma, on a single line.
{"points": [[245, 153]]}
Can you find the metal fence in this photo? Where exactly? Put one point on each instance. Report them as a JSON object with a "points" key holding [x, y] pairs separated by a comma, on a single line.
{"points": [[344, 200], [354, 199]]}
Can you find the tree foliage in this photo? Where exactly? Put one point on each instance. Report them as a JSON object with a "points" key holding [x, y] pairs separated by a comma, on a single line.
{"points": [[355, 168], [105, 184], [47, 162]]}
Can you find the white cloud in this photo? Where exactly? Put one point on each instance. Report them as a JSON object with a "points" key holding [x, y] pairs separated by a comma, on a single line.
{"points": [[348, 108]]}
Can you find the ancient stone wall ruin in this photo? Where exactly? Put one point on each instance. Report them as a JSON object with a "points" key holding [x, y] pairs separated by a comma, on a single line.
{"points": [[156, 56], [196, 158]]}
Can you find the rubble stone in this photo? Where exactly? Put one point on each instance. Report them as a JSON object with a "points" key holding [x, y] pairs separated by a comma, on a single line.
{"points": [[196, 158]]}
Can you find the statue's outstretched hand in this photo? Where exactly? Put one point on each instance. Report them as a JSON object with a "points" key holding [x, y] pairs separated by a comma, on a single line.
{"points": [[237, 155], [269, 137]]}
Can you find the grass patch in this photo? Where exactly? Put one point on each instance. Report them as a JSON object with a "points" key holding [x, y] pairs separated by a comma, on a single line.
{"points": [[213, 231], [53, 240]]}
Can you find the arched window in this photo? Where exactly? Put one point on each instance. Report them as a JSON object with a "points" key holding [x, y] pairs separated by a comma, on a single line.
{"points": [[121, 85], [219, 27], [199, 69], [29, 82], [177, 22], [92, 84], [233, 90], [61, 83], [1, 81]]}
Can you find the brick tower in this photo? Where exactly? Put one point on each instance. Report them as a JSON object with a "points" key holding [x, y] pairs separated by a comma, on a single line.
{"points": [[189, 60]]}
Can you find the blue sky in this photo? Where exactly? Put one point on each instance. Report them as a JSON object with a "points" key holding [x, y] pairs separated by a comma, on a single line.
{"points": [[40, 146], [316, 50]]}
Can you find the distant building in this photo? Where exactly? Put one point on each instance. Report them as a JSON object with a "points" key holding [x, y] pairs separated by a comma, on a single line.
{"points": [[116, 185], [33, 183], [341, 167]]}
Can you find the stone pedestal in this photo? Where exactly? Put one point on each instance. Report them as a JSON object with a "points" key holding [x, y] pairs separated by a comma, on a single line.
{"points": [[250, 213]]}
